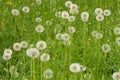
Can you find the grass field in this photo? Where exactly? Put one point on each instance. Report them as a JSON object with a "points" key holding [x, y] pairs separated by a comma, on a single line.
{"points": [[82, 48]]}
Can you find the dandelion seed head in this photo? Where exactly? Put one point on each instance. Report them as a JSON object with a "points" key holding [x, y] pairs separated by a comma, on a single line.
{"points": [[116, 30], [58, 36], [84, 15], [65, 37], [6, 56], [38, 19], [48, 73], [71, 29], [45, 57], [48, 22], [26, 9], [15, 12], [106, 48], [98, 11], [67, 43], [8, 51], [107, 12], [116, 76], [99, 17], [58, 14], [71, 18], [17, 46], [75, 67], [41, 45], [74, 7], [24, 44], [39, 28], [65, 14], [68, 3]]}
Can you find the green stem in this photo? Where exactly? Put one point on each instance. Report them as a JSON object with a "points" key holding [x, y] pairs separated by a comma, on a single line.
{"points": [[33, 69]]}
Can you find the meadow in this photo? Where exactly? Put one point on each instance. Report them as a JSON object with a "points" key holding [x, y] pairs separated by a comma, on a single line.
{"points": [[59, 39]]}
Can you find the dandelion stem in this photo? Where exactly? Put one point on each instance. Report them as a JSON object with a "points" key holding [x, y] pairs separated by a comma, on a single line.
{"points": [[41, 70], [33, 69]]}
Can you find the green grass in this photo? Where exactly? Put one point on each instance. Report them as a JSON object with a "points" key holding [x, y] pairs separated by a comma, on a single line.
{"points": [[84, 49]]}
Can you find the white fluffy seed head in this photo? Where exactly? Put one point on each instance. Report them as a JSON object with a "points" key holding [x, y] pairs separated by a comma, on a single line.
{"points": [[33, 52], [106, 48], [8, 51], [74, 7], [94, 33], [38, 19], [15, 12], [107, 12], [71, 29], [48, 73], [84, 15], [45, 57], [65, 37], [26, 9], [41, 45], [58, 36], [88, 76], [58, 14], [98, 11], [6, 56], [24, 44], [99, 17], [99, 36], [117, 30], [17, 47], [71, 18], [48, 22], [38, 2], [68, 3], [39, 28], [75, 67], [57, 28], [73, 11], [116, 76], [118, 40], [65, 14]]}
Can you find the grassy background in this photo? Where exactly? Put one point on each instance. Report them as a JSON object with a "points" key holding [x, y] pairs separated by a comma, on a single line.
{"points": [[22, 27]]}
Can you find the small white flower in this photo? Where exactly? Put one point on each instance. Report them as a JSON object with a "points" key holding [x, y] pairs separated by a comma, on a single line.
{"points": [[65, 37], [38, 19], [99, 17], [26, 9], [117, 30], [107, 12], [65, 14], [98, 11], [75, 67], [48, 73], [71, 29], [33, 52], [71, 18], [106, 48], [68, 3], [116, 76], [45, 57], [15, 12], [39, 28], [17, 46], [6, 56], [41, 45], [58, 36], [24, 44], [8, 51]]}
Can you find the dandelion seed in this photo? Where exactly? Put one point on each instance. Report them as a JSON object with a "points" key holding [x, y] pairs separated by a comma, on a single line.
{"points": [[8, 51], [33, 52], [45, 57], [58, 36], [117, 30], [41, 45], [116, 76], [106, 48], [24, 44], [48, 73], [68, 3], [65, 14], [26, 9], [75, 67], [71, 29], [84, 15], [38, 19], [15, 12], [17, 46], [99, 36], [98, 11], [99, 17], [71, 18], [107, 12], [6, 56], [48, 22], [65, 37], [39, 28]]}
